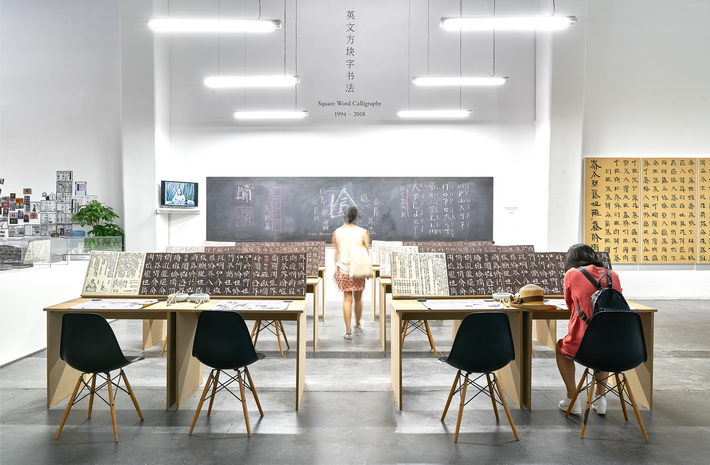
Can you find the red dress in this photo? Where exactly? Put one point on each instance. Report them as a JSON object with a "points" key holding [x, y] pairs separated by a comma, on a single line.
{"points": [[578, 293]]}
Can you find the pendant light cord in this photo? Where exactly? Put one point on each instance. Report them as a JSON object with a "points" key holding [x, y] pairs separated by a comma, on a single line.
{"points": [[409, 54], [295, 59], [554, 7], [494, 41], [460, 54], [428, 40]]}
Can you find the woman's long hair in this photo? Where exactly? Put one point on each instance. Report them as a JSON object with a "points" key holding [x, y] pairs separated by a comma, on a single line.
{"points": [[582, 255]]}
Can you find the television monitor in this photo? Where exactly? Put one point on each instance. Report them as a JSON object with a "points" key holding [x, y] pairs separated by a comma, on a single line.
{"points": [[178, 194]]}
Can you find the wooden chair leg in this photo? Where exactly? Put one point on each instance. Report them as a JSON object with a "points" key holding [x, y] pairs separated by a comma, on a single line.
{"points": [[202, 400], [112, 406], [255, 331], [214, 392], [501, 395], [165, 346], [72, 398], [636, 408], [278, 337], [582, 380], [462, 402], [431, 338], [253, 391], [91, 395], [132, 395], [493, 398], [451, 394], [244, 403], [288, 346], [405, 326], [590, 394], [620, 390]]}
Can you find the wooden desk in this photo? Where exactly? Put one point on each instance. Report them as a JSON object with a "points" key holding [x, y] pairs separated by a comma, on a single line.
{"points": [[511, 376], [313, 285], [184, 372], [516, 378], [640, 378]]}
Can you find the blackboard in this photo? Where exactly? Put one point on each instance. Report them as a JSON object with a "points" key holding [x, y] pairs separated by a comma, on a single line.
{"points": [[392, 208]]}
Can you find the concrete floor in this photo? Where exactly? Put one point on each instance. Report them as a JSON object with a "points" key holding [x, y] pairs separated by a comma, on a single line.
{"points": [[348, 415]]}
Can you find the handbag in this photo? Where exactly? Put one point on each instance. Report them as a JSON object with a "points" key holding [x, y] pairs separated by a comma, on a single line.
{"points": [[360, 266]]}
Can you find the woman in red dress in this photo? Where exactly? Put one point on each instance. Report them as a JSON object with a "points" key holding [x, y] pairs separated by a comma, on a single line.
{"points": [[578, 294]]}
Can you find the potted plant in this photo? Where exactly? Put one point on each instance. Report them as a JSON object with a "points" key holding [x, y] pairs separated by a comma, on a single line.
{"points": [[100, 218]]}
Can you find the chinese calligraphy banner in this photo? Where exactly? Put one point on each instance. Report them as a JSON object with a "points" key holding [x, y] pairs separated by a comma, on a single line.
{"points": [[647, 210], [704, 210]]}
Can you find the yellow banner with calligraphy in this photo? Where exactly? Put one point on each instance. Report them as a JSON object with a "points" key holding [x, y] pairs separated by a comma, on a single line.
{"points": [[648, 210]]}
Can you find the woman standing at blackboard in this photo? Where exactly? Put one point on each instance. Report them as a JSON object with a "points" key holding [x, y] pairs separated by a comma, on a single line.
{"points": [[352, 261]]}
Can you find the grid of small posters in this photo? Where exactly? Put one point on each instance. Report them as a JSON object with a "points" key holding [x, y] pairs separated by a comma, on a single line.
{"points": [[45, 214]]}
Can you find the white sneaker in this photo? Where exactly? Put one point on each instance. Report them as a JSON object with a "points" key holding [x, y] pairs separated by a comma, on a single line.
{"points": [[348, 336], [599, 406], [358, 330], [576, 408]]}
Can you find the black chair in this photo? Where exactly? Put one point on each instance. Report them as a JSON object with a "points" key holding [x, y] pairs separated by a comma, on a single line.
{"points": [[613, 344], [89, 345], [483, 344], [222, 342]]}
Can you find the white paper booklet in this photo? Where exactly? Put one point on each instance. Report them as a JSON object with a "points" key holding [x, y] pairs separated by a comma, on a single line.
{"points": [[251, 305]]}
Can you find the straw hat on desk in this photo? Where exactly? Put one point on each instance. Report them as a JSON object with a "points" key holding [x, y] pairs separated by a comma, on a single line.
{"points": [[530, 297]]}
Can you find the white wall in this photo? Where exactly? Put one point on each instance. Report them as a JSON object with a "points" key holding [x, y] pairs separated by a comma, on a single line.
{"points": [[644, 69], [60, 95]]}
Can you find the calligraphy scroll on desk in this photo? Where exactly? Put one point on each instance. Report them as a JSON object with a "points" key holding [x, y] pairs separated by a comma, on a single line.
{"points": [[472, 273], [704, 210], [314, 250], [279, 274], [167, 273], [612, 207], [669, 202], [406, 274], [224, 274], [384, 256], [128, 273], [100, 273]]}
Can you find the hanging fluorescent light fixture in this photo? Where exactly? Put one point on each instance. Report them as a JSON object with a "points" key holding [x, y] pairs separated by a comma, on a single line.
{"points": [[234, 82], [508, 23], [433, 114], [277, 114], [465, 81], [222, 26]]}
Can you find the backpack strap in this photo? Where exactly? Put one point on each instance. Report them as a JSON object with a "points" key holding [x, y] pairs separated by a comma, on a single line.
{"points": [[609, 282], [582, 316], [589, 277]]}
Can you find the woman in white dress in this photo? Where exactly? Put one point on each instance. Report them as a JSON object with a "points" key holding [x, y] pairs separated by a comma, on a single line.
{"points": [[346, 239]]}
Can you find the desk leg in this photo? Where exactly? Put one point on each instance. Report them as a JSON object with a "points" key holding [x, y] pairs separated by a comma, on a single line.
{"points": [[383, 317], [316, 299], [188, 370], [641, 378], [153, 333], [512, 377], [300, 358], [374, 297], [396, 357], [171, 383], [60, 376], [455, 324], [545, 332], [324, 301]]}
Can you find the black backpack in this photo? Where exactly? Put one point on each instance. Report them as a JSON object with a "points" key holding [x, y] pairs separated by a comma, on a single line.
{"points": [[605, 298]]}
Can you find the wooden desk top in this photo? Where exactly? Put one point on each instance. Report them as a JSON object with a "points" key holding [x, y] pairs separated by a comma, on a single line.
{"points": [[412, 305], [295, 306], [312, 280]]}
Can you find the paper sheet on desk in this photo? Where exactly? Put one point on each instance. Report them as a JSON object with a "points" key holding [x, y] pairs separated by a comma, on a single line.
{"points": [[457, 304], [132, 304], [251, 305]]}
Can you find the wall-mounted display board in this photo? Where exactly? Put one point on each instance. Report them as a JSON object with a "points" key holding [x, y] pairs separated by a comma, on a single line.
{"points": [[301, 209], [704, 210], [314, 250], [220, 275], [645, 210]]}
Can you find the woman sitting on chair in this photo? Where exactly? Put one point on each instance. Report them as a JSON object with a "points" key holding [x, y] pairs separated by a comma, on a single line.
{"points": [[578, 294]]}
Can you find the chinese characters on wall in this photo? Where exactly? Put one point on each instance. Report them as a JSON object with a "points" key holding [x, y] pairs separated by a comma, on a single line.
{"points": [[350, 51], [647, 210]]}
